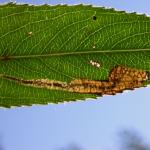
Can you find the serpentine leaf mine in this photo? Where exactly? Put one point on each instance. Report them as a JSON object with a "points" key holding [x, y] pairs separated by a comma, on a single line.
{"points": [[120, 78]]}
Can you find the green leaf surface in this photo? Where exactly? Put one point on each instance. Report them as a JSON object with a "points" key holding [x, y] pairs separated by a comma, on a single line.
{"points": [[58, 43]]}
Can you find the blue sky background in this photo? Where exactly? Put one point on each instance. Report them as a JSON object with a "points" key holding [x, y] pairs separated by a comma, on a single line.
{"points": [[92, 124]]}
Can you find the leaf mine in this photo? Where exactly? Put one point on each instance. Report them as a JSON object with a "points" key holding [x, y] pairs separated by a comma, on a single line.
{"points": [[120, 78]]}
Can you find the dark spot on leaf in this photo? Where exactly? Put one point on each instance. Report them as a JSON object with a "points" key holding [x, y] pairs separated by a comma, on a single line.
{"points": [[5, 58], [57, 84], [94, 17]]}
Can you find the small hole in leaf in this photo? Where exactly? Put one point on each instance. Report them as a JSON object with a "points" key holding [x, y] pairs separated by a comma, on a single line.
{"points": [[94, 17]]}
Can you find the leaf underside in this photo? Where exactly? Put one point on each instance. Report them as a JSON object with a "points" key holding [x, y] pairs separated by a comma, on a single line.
{"points": [[49, 53]]}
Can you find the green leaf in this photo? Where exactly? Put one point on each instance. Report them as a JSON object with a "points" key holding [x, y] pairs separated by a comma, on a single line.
{"points": [[51, 54]]}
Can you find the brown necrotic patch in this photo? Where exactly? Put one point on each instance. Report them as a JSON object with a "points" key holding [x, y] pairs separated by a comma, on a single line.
{"points": [[39, 83], [120, 78]]}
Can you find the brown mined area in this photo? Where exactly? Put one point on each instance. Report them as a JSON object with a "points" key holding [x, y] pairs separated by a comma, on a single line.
{"points": [[39, 83], [120, 78], [49, 84]]}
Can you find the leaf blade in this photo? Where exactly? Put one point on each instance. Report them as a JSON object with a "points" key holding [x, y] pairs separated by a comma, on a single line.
{"points": [[58, 42]]}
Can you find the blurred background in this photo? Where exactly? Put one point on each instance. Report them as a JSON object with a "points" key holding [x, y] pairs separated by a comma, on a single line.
{"points": [[120, 122]]}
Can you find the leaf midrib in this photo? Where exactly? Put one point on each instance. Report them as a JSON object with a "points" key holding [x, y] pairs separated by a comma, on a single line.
{"points": [[73, 53]]}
